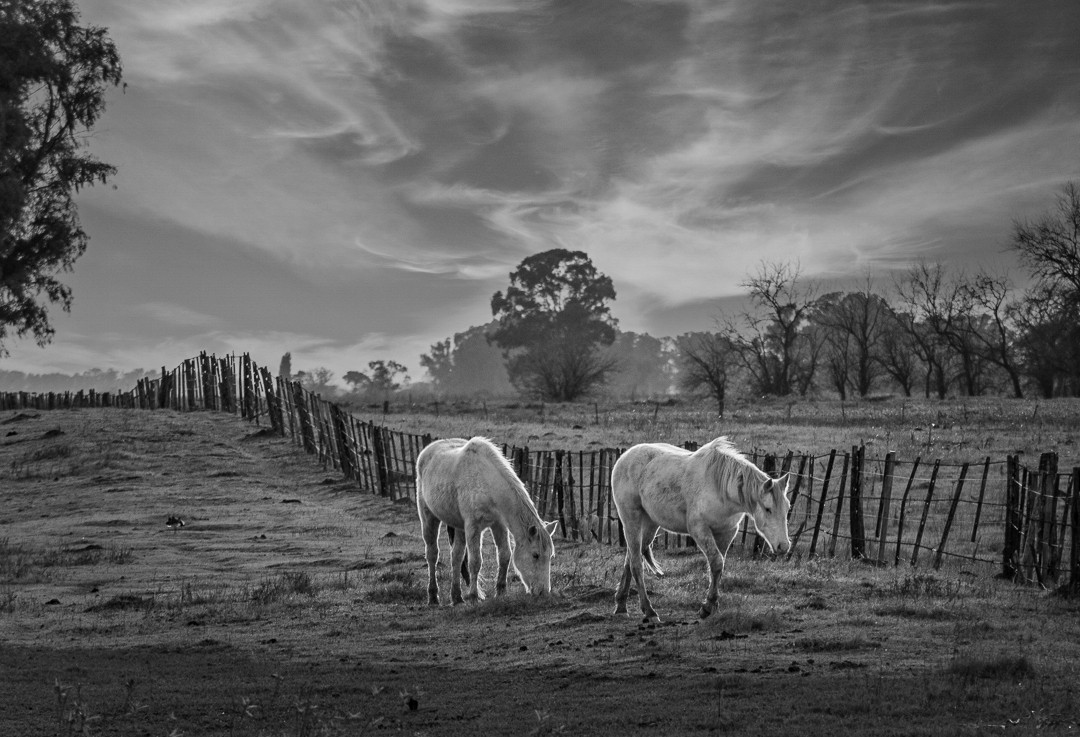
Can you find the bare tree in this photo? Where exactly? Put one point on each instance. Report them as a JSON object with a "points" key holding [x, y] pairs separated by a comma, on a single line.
{"points": [[853, 324], [899, 353], [1050, 245], [934, 307], [836, 358], [994, 333], [773, 348], [706, 362], [1048, 339]]}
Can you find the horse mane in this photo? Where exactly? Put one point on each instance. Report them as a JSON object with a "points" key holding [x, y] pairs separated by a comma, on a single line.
{"points": [[483, 446], [725, 462]]}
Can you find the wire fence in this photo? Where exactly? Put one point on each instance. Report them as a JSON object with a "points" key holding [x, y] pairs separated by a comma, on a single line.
{"points": [[1021, 522]]}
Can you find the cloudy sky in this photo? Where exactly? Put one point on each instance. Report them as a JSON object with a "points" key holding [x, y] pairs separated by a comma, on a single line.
{"points": [[351, 180]]}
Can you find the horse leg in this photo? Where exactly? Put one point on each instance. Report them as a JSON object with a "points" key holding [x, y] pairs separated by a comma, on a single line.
{"points": [[456, 561], [502, 544], [624, 585], [472, 541], [429, 526], [630, 519], [644, 538], [465, 562], [710, 548]]}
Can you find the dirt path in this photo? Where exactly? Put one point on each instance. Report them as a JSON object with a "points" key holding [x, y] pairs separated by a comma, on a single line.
{"points": [[289, 603]]}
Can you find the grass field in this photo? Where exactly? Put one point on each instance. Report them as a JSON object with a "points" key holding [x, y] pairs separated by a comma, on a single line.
{"points": [[290, 603], [954, 430]]}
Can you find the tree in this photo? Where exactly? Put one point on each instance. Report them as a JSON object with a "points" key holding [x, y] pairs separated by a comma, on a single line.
{"points": [[479, 366], [706, 362], [774, 350], [552, 323], [467, 364], [357, 380], [853, 324], [931, 305], [993, 332], [899, 354], [643, 365], [53, 77], [1048, 339], [384, 376], [317, 381], [1050, 245], [381, 380], [439, 364]]}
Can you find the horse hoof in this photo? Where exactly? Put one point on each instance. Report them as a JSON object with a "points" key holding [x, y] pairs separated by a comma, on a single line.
{"points": [[650, 619], [620, 609], [703, 613], [433, 602]]}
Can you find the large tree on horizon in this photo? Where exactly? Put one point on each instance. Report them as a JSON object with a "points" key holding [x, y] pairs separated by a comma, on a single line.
{"points": [[553, 321], [53, 77]]}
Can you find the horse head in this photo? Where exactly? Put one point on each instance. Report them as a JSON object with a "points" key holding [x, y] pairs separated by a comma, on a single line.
{"points": [[770, 513], [532, 557]]}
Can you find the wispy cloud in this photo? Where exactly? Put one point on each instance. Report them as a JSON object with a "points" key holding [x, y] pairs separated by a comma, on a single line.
{"points": [[390, 162]]}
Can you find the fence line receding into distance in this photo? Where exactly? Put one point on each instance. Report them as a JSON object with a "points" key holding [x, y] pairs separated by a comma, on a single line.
{"points": [[1022, 522]]}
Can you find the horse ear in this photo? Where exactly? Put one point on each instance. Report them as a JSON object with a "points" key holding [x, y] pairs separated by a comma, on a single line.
{"points": [[551, 527], [784, 482]]}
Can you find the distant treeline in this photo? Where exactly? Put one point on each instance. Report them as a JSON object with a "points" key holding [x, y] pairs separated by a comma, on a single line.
{"points": [[101, 380]]}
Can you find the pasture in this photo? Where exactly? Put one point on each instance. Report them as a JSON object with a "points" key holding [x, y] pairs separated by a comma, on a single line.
{"points": [[289, 603]]}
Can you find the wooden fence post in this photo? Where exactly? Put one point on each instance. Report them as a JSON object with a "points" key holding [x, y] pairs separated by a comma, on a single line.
{"points": [[925, 512], [344, 446], [557, 488], [903, 506], [821, 502], [949, 518], [1050, 491], [858, 531], [979, 504], [882, 527], [307, 431], [1074, 554], [379, 460], [1012, 518], [839, 506]]}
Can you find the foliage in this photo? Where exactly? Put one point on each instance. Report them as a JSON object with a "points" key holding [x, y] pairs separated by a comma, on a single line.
{"points": [[382, 378], [552, 322], [53, 76], [317, 381], [467, 364], [644, 365]]}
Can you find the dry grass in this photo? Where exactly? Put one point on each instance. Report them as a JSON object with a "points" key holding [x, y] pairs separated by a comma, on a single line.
{"points": [[265, 618], [953, 430]]}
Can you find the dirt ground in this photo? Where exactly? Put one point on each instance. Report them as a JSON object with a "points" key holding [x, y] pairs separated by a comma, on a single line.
{"points": [[290, 603]]}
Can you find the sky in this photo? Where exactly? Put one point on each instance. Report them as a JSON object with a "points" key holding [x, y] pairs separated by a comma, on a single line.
{"points": [[351, 181]]}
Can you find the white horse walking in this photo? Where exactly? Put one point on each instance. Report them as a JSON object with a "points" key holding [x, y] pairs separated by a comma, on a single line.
{"points": [[704, 494], [469, 486]]}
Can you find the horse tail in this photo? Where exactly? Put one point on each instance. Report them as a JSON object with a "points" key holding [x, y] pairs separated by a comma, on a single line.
{"points": [[649, 561]]}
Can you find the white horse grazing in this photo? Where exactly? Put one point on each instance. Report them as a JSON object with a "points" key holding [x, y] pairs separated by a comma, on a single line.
{"points": [[704, 494], [470, 486]]}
